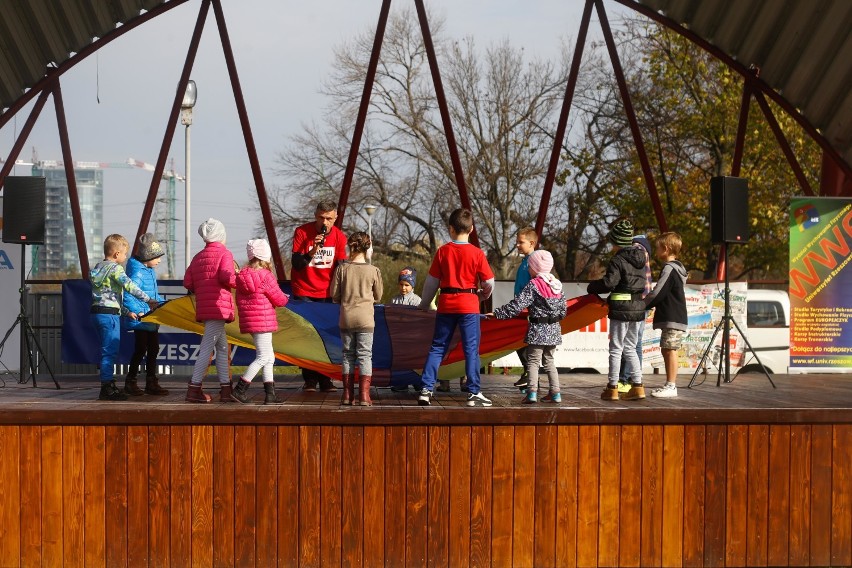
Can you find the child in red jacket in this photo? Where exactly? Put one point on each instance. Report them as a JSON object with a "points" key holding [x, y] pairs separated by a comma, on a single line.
{"points": [[210, 276], [258, 295]]}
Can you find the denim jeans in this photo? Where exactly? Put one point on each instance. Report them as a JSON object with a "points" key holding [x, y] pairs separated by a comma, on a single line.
{"points": [[623, 376], [445, 326], [357, 348], [622, 343], [108, 327]]}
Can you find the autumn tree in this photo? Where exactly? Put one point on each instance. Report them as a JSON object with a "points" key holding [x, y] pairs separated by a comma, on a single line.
{"points": [[687, 104]]}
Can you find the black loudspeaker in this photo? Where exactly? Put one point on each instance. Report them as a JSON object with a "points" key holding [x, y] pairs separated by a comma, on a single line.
{"points": [[728, 210], [23, 210]]}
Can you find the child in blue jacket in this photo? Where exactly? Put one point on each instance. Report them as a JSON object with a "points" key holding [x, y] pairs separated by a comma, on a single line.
{"points": [[141, 268]]}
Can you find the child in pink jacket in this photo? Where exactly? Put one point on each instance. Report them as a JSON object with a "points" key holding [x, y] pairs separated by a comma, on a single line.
{"points": [[258, 295], [210, 276]]}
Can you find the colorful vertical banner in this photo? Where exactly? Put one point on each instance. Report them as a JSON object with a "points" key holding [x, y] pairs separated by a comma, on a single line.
{"points": [[820, 284]]}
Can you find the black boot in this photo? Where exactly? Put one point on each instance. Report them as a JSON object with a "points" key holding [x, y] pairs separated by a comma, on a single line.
{"points": [[240, 392], [131, 388], [152, 386], [269, 389], [110, 392]]}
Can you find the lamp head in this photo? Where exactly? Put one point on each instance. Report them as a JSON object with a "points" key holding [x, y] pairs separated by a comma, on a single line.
{"points": [[190, 95], [370, 209]]}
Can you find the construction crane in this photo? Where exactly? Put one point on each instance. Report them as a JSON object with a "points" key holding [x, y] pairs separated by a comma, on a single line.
{"points": [[166, 202]]}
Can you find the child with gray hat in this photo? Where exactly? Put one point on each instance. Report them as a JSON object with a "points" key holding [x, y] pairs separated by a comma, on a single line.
{"points": [[141, 269]]}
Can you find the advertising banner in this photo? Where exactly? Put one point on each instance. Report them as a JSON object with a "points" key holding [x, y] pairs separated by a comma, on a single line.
{"points": [[80, 342], [820, 284]]}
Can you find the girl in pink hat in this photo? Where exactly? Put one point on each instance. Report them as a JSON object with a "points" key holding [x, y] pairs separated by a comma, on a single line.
{"points": [[543, 296], [258, 294]]}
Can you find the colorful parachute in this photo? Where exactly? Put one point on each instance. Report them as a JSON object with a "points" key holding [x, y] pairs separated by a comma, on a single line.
{"points": [[308, 336]]}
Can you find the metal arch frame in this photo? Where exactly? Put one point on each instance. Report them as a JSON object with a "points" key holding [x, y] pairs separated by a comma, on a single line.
{"points": [[756, 84], [49, 84]]}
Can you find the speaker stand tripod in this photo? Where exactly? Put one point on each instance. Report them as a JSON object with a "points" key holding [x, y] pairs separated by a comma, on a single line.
{"points": [[28, 336], [725, 326]]}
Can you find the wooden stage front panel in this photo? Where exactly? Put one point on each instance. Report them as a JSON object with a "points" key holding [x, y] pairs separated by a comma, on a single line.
{"points": [[590, 487]]}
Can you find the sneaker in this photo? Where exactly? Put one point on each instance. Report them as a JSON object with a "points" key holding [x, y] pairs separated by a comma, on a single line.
{"points": [[669, 390], [624, 387], [610, 393], [524, 381], [478, 398], [552, 397], [111, 392], [425, 398], [636, 392], [531, 397]]}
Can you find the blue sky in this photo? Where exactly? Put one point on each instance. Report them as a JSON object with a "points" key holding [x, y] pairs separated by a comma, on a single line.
{"points": [[283, 51]]}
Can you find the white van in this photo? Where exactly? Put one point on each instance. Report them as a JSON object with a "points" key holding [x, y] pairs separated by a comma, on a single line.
{"points": [[767, 330]]}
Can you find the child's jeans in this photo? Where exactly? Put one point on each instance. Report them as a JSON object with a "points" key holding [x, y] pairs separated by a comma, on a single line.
{"points": [[357, 347], [542, 355], [108, 327], [445, 326], [623, 336]]}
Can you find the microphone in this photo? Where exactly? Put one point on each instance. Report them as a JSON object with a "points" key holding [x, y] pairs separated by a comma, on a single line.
{"points": [[323, 232]]}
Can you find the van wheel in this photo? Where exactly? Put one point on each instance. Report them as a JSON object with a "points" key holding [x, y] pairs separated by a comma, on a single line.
{"points": [[755, 369], [583, 371]]}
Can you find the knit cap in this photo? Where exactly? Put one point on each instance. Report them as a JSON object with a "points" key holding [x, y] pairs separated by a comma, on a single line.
{"points": [[409, 275], [212, 231], [149, 248], [621, 234], [541, 261], [259, 249]]}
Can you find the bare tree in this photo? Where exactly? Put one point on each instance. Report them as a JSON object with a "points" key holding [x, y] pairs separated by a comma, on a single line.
{"points": [[502, 107]]}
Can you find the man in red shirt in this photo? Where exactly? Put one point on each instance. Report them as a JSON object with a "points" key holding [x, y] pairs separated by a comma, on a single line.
{"points": [[318, 247]]}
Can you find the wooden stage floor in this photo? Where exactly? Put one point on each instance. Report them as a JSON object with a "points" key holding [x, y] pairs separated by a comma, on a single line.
{"points": [[748, 399], [739, 475]]}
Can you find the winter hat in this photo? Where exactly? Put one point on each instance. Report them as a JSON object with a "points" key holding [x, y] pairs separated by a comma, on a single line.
{"points": [[212, 231], [621, 234], [409, 275], [541, 261], [149, 248], [259, 249]]}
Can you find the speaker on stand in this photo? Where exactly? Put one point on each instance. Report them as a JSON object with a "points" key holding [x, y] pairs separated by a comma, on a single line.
{"points": [[23, 223], [728, 225]]}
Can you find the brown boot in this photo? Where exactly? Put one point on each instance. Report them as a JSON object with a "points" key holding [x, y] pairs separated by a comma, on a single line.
{"points": [[364, 390], [195, 394], [636, 392], [348, 390], [610, 393], [225, 390], [152, 386], [131, 388]]}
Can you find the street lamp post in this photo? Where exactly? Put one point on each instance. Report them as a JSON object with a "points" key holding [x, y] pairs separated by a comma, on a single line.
{"points": [[186, 105], [370, 209]]}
